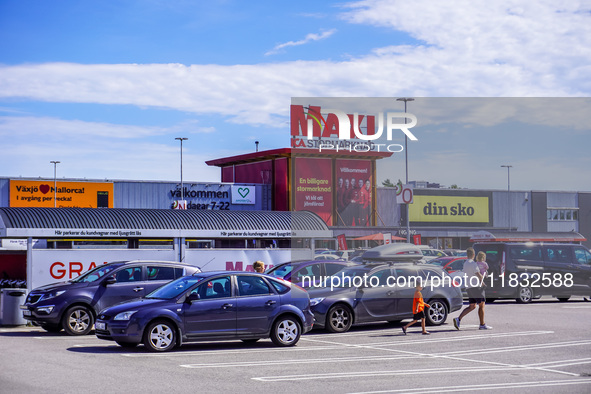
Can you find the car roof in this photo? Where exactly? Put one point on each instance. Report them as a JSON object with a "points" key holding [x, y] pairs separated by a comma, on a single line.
{"points": [[129, 262], [394, 252]]}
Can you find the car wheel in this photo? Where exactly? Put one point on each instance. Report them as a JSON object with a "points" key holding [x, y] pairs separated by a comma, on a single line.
{"points": [[563, 299], [160, 336], [437, 314], [253, 340], [286, 331], [339, 319], [51, 328], [128, 345], [78, 320], [524, 295]]}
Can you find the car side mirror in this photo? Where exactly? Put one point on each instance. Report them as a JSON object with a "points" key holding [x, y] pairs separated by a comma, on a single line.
{"points": [[109, 281], [192, 297]]}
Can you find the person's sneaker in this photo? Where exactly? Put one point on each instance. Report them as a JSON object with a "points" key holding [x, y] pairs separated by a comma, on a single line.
{"points": [[457, 323], [404, 330], [426, 333], [485, 327]]}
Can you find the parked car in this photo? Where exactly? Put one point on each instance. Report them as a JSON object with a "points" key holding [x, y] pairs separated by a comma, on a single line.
{"points": [[455, 252], [73, 305], [430, 253], [449, 263], [386, 294], [399, 251], [296, 271], [523, 271], [217, 305]]}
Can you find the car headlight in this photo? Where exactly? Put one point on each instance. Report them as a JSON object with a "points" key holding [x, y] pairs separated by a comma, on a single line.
{"points": [[316, 301], [124, 315], [53, 294]]}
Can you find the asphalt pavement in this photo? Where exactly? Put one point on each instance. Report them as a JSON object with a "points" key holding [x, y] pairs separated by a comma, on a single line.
{"points": [[542, 347]]}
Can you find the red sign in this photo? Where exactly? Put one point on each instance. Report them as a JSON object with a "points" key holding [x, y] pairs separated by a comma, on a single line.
{"points": [[342, 241], [416, 239]]}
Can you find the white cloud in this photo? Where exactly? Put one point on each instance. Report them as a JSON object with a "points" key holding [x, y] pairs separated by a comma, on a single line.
{"points": [[309, 38]]}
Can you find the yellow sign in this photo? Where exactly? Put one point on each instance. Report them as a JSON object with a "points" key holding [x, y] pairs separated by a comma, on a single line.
{"points": [[68, 194], [449, 209]]}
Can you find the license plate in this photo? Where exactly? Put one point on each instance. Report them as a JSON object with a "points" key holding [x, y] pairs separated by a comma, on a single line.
{"points": [[26, 312], [100, 326]]}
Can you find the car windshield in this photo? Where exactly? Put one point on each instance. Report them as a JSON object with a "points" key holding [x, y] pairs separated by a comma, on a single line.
{"points": [[281, 270], [175, 288], [95, 274]]}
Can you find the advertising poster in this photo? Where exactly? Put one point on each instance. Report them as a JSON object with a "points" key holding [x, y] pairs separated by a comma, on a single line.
{"points": [[313, 187], [67, 194], [354, 192]]}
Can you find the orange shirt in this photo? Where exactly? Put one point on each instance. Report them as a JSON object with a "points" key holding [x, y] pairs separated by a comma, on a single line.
{"points": [[418, 305]]}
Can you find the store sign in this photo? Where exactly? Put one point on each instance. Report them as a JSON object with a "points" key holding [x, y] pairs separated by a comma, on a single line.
{"points": [[449, 209], [67, 194], [201, 196], [243, 194], [333, 129]]}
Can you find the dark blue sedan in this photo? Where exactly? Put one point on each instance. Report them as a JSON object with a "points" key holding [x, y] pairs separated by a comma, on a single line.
{"points": [[210, 306]]}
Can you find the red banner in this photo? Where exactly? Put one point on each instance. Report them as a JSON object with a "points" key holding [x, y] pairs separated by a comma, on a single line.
{"points": [[342, 241]]}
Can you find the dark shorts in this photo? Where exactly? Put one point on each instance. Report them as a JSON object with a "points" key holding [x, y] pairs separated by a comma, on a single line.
{"points": [[475, 295], [419, 316]]}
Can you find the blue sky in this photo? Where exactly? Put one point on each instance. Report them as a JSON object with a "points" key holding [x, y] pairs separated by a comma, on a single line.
{"points": [[105, 87]]}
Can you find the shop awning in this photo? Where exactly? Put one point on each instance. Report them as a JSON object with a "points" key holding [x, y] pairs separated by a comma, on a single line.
{"points": [[158, 223]]}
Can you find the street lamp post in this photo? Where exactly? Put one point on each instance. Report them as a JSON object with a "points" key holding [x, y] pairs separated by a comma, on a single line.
{"points": [[508, 192], [406, 99], [55, 182], [182, 186]]}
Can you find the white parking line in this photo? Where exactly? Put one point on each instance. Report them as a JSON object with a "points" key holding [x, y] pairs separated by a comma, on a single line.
{"points": [[492, 386], [456, 358], [297, 361], [514, 348], [577, 307], [437, 340], [231, 351], [397, 372]]}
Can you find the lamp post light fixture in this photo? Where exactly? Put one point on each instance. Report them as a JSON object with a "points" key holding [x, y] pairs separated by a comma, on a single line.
{"points": [[181, 139], [55, 163], [508, 192], [406, 99]]}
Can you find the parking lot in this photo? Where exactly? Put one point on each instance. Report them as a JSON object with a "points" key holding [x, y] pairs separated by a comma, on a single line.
{"points": [[541, 347]]}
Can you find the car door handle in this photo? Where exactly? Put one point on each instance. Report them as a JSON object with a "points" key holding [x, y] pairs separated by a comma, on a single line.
{"points": [[136, 289], [271, 302], [390, 293], [227, 306]]}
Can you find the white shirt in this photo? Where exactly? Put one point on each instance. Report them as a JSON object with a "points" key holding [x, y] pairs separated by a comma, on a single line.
{"points": [[470, 270]]}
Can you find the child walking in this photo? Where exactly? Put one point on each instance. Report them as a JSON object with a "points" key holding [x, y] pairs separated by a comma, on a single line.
{"points": [[418, 308]]}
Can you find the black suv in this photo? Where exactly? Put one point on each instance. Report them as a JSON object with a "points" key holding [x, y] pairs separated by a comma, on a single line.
{"points": [[535, 269], [74, 305]]}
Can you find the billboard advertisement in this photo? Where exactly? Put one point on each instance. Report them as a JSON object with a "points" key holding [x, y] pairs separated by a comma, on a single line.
{"points": [[354, 192], [314, 186], [67, 194]]}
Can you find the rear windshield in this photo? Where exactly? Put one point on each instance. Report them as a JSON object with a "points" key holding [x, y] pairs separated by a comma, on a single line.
{"points": [[95, 274], [493, 253]]}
